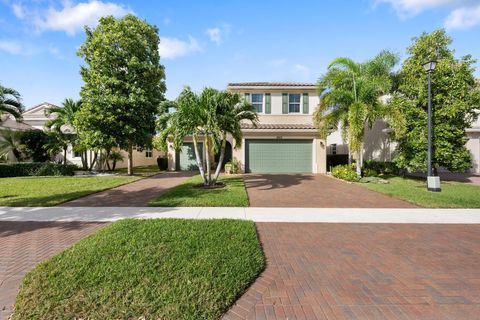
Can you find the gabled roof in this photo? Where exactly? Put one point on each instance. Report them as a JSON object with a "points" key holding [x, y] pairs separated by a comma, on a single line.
{"points": [[272, 85], [9, 122], [38, 108]]}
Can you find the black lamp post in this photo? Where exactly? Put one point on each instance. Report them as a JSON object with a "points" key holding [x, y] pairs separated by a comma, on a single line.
{"points": [[433, 183]]}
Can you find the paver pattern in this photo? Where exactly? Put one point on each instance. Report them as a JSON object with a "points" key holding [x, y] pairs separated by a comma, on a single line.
{"points": [[24, 244], [313, 191], [365, 271], [135, 194]]}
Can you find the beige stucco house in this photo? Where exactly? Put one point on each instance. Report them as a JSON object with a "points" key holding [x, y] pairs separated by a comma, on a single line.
{"points": [[35, 118], [285, 139]]}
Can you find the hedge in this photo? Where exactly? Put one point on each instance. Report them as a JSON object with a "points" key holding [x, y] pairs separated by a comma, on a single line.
{"points": [[22, 169], [373, 168]]}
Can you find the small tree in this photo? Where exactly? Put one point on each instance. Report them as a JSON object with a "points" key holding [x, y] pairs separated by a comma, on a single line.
{"points": [[33, 144], [10, 103], [124, 84], [455, 99], [62, 120]]}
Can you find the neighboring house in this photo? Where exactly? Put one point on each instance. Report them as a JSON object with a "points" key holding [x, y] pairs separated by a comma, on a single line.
{"points": [[378, 145], [285, 140], [35, 118]]}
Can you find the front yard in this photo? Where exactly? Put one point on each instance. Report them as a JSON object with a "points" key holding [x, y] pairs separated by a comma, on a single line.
{"points": [[186, 195], [51, 191], [146, 269], [453, 195]]}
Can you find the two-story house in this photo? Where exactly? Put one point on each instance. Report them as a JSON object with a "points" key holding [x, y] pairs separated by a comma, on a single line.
{"points": [[285, 139]]}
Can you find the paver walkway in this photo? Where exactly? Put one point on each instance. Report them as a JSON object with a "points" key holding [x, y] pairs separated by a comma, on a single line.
{"points": [[313, 191], [24, 244], [365, 271], [135, 194]]}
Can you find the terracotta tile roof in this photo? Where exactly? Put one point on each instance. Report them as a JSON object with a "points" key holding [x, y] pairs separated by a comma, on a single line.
{"points": [[279, 126], [271, 84]]}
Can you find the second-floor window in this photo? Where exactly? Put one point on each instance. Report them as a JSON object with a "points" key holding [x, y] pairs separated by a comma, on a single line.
{"points": [[294, 103], [257, 102]]}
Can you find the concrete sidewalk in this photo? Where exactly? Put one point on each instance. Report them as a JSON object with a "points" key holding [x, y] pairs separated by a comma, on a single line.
{"points": [[325, 215]]}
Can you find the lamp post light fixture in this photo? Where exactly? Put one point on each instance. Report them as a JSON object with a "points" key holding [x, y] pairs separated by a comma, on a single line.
{"points": [[433, 182]]}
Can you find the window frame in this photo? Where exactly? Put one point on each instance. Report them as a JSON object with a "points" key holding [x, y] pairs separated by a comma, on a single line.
{"points": [[258, 103], [299, 103]]}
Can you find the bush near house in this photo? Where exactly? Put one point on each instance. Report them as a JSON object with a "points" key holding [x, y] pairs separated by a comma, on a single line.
{"points": [[146, 269], [23, 169], [345, 172], [372, 168]]}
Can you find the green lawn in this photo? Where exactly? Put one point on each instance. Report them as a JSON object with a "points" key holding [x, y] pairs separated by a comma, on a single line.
{"points": [[50, 191], [453, 195], [144, 171], [146, 269], [185, 195]]}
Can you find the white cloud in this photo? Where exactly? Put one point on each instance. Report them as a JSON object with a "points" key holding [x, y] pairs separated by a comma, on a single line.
{"points": [[277, 62], [464, 13], [218, 34], [73, 17], [18, 10], [413, 7], [11, 47], [463, 18], [171, 48], [302, 70], [214, 34]]}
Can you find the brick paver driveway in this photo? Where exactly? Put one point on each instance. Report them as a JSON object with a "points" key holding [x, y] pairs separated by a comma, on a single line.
{"points": [[313, 191], [135, 194], [24, 244], [365, 271]]}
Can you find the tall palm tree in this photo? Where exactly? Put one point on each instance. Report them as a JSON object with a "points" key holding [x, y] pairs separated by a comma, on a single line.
{"points": [[350, 98], [10, 142], [64, 116], [10, 103], [232, 110]]}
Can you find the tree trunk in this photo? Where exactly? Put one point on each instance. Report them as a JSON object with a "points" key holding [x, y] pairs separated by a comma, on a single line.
{"points": [[359, 162], [207, 160], [220, 160], [65, 154], [107, 155], [114, 164], [199, 160], [130, 160], [92, 163], [83, 156]]}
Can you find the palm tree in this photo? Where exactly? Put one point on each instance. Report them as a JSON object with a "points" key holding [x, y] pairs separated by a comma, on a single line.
{"points": [[10, 142], [212, 115], [350, 98], [63, 119], [232, 110], [10, 103], [64, 115]]}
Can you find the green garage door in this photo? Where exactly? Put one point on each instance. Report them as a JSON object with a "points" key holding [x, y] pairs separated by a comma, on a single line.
{"points": [[185, 159], [278, 155]]}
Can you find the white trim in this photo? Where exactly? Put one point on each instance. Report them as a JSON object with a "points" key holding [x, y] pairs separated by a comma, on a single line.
{"points": [[263, 100], [299, 103], [279, 130]]}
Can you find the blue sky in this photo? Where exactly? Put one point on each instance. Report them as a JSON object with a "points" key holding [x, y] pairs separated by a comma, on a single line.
{"points": [[211, 43]]}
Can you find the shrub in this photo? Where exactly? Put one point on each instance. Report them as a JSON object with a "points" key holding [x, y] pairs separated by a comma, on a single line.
{"points": [[22, 169], [370, 167], [345, 172], [33, 143]]}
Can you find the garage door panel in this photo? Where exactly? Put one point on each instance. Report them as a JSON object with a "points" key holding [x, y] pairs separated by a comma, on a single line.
{"points": [[278, 156], [185, 158]]}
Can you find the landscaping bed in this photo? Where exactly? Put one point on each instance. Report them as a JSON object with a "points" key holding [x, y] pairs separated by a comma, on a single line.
{"points": [[188, 195], [146, 269], [453, 195], [51, 191]]}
